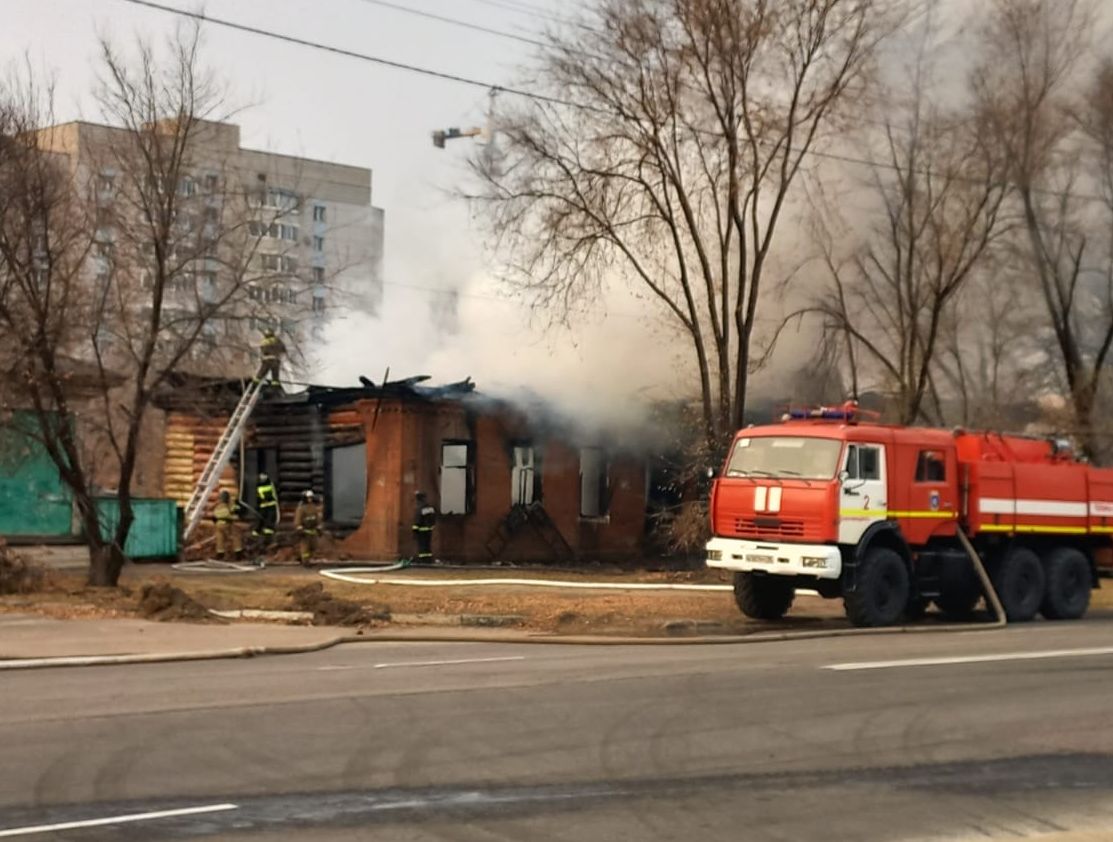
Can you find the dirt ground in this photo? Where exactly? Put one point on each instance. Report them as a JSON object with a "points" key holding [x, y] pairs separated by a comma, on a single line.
{"points": [[541, 610]]}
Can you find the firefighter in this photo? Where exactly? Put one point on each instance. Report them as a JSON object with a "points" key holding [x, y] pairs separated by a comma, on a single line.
{"points": [[306, 520], [266, 504], [425, 517], [271, 351], [229, 538]]}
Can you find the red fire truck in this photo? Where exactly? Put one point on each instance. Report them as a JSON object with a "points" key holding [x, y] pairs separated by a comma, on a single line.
{"points": [[851, 508]]}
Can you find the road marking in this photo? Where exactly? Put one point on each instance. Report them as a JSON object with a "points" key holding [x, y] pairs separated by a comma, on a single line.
{"points": [[133, 817], [971, 659], [448, 663]]}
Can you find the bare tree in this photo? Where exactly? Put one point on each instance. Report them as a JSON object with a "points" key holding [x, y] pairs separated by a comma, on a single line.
{"points": [[665, 160], [991, 364], [1060, 152], [153, 246], [939, 190]]}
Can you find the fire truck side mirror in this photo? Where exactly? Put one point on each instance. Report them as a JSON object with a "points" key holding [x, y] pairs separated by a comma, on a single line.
{"points": [[711, 472], [844, 475]]}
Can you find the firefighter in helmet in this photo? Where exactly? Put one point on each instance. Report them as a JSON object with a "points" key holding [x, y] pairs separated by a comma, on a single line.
{"points": [[229, 537], [307, 521], [266, 503], [425, 518], [271, 351]]}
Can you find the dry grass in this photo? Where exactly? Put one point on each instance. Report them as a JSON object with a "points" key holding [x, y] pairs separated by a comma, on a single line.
{"points": [[543, 610]]}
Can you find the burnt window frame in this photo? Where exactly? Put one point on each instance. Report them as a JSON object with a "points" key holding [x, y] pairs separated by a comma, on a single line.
{"points": [[469, 476], [604, 512]]}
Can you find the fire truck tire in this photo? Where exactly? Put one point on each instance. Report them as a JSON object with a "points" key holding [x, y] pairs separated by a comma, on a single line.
{"points": [[1019, 582], [1067, 589], [882, 590], [763, 597]]}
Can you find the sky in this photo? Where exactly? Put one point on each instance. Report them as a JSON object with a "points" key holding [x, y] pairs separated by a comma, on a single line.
{"points": [[306, 102]]}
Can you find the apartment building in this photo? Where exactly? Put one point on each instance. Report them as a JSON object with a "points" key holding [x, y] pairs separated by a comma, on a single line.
{"points": [[312, 239]]}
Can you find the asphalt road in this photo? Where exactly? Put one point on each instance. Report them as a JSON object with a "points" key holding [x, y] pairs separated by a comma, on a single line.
{"points": [[529, 742]]}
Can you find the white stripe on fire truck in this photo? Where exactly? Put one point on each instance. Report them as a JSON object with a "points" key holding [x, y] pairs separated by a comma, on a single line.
{"points": [[1047, 508], [775, 498], [759, 498]]}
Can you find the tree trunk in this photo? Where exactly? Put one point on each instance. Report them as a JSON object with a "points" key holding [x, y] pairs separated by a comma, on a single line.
{"points": [[106, 562]]}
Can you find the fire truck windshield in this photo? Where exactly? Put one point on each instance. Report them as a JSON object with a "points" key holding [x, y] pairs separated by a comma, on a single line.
{"points": [[790, 457]]}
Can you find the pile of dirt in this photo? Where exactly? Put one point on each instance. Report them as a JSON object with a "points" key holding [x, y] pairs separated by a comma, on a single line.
{"points": [[160, 600], [328, 610], [18, 575]]}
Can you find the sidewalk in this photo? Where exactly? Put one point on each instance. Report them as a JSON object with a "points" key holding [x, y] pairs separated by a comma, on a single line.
{"points": [[32, 639]]}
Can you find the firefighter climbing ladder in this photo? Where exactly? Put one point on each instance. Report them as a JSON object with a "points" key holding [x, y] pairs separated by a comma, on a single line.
{"points": [[195, 508]]}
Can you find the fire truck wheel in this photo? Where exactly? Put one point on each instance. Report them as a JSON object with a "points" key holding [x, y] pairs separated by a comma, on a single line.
{"points": [[1067, 591], [1019, 581], [763, 597], [882, 590]]}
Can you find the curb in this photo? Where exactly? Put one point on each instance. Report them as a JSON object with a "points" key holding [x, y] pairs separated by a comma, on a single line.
{"points": [[701, 640], [164, 657]]}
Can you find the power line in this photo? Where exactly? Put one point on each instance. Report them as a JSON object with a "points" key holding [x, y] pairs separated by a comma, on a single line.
{"points": [[385, 62], [533, 11], [537, 97], [455, 22]]}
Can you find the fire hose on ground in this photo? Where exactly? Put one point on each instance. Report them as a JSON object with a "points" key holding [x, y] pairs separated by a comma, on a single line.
{"points": [[353, 575]]}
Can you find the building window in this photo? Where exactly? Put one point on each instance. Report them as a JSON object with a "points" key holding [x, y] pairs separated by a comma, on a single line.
{"points": [[347, 483], [188, 187], [288, 233], [271, 262], [455, 478], [106, 183], [289, 264], [318, 243], [524, 476], [863, 462], [319, 213], [318, 304], [319, 275], [931, 467], [212, 182], [280, 199], [593, 482]]}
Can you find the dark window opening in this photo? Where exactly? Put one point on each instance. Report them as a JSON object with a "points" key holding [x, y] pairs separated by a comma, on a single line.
{"points": [[593, 482], [263, 460], [347, 483]]}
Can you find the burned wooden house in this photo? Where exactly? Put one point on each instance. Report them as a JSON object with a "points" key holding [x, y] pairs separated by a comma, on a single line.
{"points": [[507, 483]]}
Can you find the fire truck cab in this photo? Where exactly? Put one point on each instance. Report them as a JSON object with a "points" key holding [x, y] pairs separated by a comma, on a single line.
{"points": [[870, 513]]}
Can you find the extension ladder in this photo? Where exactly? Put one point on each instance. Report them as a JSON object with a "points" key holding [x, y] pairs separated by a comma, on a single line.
{"points": [[195, 508]]}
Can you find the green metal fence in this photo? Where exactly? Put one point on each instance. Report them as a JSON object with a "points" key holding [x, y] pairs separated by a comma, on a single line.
{"points": [[34, 502], [155, 532]]}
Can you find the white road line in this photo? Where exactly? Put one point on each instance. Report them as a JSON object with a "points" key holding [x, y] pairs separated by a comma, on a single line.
{"points": [[971, 659], [133, 817], [447, 663]]}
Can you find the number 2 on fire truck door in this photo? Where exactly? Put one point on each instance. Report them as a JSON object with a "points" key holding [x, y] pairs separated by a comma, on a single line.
{"points": [[863, 498]]}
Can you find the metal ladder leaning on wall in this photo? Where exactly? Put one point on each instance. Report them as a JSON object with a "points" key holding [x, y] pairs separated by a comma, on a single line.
{"points": [[195, 508]]}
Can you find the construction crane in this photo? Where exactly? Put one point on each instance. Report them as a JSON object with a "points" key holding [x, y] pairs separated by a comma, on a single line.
{"points": [[218, 461]]}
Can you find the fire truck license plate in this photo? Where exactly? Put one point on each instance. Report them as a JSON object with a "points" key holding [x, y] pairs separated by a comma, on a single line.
{"points": [[758, 558]]}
